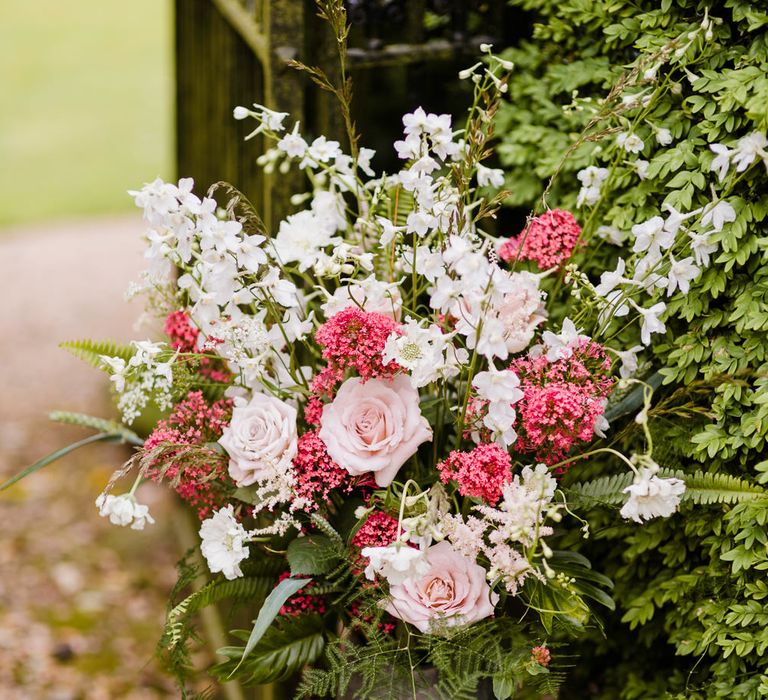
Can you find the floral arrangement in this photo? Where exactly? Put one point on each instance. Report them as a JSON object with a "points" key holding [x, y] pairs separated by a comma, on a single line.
{"points": [[371, 408]]}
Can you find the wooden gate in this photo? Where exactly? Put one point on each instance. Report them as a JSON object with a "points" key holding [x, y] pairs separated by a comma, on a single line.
{"points": [[234, 52]]}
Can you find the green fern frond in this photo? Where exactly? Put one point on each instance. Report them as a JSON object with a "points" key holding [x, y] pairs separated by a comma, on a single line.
{"points": [[214, 592], [102, 425], [701, 488], [91, 350]]}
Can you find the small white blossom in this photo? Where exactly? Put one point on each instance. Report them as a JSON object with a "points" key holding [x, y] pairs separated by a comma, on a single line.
{"points": [[396, 562], [631, 143], [681, 274], [493, 177], [663, 136], [224, 543], [718, 215], [748, 148], [652, 234], [722, 160], [651, 322], [651, 496], [292, 144], [124, 510]]}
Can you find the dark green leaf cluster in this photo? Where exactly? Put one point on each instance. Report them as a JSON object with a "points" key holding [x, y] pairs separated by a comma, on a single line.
{"points": [[691, 589]]}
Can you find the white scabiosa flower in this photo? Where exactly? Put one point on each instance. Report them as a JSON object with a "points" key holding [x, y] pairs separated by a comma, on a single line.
{"points": [[651, 496], [396, 562], [223, 543]]}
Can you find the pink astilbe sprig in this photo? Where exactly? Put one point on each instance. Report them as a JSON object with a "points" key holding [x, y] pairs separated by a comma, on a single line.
{"points": [[315, 472], [480, 473], [563, 400], [197, 474], [549, 240]]}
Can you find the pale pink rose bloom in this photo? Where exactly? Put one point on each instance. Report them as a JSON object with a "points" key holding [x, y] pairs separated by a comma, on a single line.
{"points": [[374, 426], [453, 592], [261, 439]]}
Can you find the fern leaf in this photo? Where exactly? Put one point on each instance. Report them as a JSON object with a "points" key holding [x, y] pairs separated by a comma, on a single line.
{"points": [[91, 350], [701, 488], [103, 425], [214, 592]]}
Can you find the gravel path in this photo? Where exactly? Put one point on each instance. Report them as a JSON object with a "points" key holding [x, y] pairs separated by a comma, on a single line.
{"points": [[81, 601]]}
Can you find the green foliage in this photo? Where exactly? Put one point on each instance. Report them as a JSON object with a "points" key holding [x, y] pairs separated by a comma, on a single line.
{"points": [[701, 488], [282, 651], [91, 350], [690, 589], [103, 425]]}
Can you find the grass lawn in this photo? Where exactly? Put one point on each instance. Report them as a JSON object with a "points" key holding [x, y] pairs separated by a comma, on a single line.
{"points": [[85, 104]]}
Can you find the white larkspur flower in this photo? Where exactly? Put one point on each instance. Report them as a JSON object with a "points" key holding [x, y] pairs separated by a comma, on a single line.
{"points": [[722, 160], [323, 150], [293, 144], [610, 279], [663, 136], [651, 322], [628, 359], [652, 234], [299, 238], [681, 274], [224, 543], [702, 247], [641, 168], [748, 148], [396, 562], [493, 177], [718, 215], [495, 386], [651, 496], [631, 143], [560, 345]]}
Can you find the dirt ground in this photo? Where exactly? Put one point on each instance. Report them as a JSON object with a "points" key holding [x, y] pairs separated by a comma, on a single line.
{"points": [[82, 602]]}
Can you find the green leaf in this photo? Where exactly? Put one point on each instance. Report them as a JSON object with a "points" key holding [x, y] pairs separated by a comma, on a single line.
{"points": [[58, 454], [275, 600], [92, 350], [280, 654], [101, 424], [310, 555]]}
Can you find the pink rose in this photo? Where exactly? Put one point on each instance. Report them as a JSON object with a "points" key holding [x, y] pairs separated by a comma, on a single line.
{"points": [[261, 439], [454, 591], [374, 426]]}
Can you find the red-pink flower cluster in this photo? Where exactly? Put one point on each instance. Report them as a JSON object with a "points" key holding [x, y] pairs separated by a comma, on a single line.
{"points": [[549, 240], [541, 656], [316, 473], [184, 337], [352, 341], [480, 473], [302, 602], [379, 530], [193, 421], [562, 400]]}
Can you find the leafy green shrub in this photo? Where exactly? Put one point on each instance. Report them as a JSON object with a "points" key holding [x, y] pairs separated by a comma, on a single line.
{"points": [[692, 589]]}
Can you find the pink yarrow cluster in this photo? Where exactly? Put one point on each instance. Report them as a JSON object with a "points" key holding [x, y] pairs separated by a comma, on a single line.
{"points": [[563, 400], [379, 530], [549, 240], [303, 602], [183, 337], [352, 341], [480, 473], [193, 421], [316, 473]]}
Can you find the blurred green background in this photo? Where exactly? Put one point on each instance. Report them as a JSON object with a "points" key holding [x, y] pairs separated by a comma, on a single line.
{"points": [[86, 105]]}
